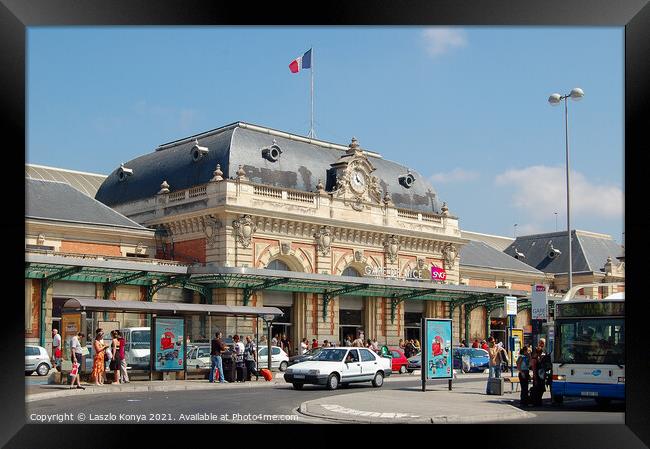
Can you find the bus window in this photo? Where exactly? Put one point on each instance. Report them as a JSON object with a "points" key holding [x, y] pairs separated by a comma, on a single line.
{"points": [[593, 341]]}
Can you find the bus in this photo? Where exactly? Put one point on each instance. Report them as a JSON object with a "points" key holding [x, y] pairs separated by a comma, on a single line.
{"points": [[589, 351]]}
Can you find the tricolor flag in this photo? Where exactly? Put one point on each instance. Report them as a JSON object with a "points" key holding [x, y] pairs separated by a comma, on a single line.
{"points": [[301, 62]]}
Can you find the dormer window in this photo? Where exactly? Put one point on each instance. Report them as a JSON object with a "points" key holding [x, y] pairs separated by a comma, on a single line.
{"points": [[198, 151], [407, 180]]}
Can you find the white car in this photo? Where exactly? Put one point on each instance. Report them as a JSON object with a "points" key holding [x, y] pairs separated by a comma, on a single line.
{"points": [[340, 366], [37, 359], [198, 357], [279, 358]]}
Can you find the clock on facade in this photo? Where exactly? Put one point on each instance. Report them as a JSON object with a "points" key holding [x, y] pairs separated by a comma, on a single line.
{"points": [[358, 181]]}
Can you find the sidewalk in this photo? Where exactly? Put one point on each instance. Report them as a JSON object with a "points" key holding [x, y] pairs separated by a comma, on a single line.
{"points": [[466, 403]]}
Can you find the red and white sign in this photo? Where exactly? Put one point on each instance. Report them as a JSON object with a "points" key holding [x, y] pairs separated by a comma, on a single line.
{"points": [[438, 274]]}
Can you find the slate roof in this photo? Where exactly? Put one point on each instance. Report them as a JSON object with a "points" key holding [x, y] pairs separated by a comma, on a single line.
{"points": [[300, 166], [589, 251], [86, 183], [54, 200], [495, 241], [480, 254]]}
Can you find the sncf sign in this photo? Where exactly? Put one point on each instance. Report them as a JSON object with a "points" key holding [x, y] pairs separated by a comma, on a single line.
{"points": [[438, 274]]}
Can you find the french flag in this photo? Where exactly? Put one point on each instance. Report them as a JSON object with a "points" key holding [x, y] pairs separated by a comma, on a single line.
{"points": [[301, 62]]}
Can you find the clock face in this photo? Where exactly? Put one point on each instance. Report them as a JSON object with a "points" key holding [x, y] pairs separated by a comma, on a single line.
{"points": [[358, 181]]}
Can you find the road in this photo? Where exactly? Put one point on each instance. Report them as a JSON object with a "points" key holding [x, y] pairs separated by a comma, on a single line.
{"points": [[239, 405]]}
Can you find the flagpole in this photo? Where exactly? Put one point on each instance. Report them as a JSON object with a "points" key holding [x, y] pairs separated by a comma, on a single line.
{"points": [[311, 130]]}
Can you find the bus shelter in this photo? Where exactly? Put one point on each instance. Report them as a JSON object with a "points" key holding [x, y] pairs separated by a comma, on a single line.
{"points": [[167, 347]]}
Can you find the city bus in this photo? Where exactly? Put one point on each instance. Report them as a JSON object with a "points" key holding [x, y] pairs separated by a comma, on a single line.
{"points": [[589, 352]]}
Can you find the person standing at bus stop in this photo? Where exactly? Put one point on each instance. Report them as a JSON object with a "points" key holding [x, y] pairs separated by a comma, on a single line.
{"points": [[124, 374], [216, 349], [523, 366], [539, 378]]}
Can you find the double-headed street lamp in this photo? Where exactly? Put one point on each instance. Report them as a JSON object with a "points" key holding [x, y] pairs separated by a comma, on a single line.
{"points": [[555, 99]]}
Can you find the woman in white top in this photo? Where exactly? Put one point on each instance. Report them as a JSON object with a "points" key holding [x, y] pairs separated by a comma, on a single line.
{"points": [[303, 346]]}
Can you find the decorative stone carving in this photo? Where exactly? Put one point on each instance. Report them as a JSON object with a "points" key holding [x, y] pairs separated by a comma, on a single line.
{"points": [[358, 255], [324, 240], [445, 209], [218, 174], [244, 230], [241, 173], [391, 246], [421, 263], [140, 248], [354, 181], [164, 188], [40, 240], [285, 247], [449, 253], [211, 229], [320, 187]]}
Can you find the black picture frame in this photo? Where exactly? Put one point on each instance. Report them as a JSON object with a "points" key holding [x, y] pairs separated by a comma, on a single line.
{"points": [[634, 15]]}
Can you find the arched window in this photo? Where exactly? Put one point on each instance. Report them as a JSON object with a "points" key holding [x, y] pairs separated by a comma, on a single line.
{"points": [[278, 265], [349, 271]]}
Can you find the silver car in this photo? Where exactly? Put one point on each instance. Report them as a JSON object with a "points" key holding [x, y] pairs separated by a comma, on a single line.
{"points": [[37, 359]]}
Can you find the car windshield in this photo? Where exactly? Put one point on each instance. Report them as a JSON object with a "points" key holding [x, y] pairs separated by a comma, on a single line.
{"points": [[331, 355], [478, 353], [141, 339], [591, 341]]}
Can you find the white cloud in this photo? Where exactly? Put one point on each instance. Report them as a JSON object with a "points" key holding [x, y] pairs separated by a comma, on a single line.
{"points": [[440, 40], [539, 191], [456, 175]]}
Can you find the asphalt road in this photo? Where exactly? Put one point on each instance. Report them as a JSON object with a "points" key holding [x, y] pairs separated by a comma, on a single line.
{"points": [[263, 405]]}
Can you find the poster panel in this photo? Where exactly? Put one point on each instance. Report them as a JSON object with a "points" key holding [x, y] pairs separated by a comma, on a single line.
{"points": [[437, 338], [70, 326], [518, 342], [169, 335]]}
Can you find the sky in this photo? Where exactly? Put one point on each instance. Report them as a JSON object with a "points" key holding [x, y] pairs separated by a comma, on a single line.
{"points": [[466, 107]]}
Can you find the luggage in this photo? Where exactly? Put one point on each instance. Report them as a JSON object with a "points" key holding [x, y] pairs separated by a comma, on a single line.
{"points": [[229, 371], [266, 373], [495, 386], [241, 374]]}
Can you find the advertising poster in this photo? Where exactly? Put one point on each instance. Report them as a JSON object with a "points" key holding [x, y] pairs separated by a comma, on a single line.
{"points": [[169, 343], [70, 326], [437, 337], [518, 341]]}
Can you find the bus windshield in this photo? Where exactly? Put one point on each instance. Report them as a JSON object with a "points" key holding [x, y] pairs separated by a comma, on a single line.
{"points": [[590, 341]]}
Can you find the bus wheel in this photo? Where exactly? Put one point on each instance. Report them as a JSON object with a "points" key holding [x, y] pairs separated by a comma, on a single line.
{"points": [[557, 399]]}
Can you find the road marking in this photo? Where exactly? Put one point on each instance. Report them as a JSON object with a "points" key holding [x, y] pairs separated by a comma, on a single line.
{"points": [[349, 411]]}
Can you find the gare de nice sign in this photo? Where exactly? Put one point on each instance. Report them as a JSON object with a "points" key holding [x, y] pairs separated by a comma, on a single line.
{"points": [[437, 273]]}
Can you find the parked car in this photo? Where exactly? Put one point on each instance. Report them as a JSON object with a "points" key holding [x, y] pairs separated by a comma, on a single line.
{"points": [[37, 359], [308, 355], [478, 359], [198, 356], [414, 362], [399, 360], [340, 366], [279, 358]]}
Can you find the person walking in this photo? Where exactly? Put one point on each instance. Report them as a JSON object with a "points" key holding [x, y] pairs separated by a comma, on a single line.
{"points": [[216, 348], [250, 358], [314, 343], [523, 366], [124, 374], [99, 365], [116, 363], [285, 344], [75, 351], [56, 349], [539, 371], [303, 346]]}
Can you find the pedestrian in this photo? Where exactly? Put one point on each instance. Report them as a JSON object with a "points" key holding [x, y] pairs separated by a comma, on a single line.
{"points": [[314, 343], [539, 373], [358, 342], [348, 341], [401, 344], [303, 346], [124, 374], [216, 348], [484, 345], [368, 343], [56, 349], [263, 341], [285, 344], [275, 341], [239, 358], [374, 345], [250, 358], [523, 366], [75, 351], [326, 344], [496, 355], [463, 343], [117, 361], [409, 349], [475, 344], [416, 343], [99, 365]]}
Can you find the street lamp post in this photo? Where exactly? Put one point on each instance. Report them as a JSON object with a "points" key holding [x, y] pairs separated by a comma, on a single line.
{"points": [[555, 99]]}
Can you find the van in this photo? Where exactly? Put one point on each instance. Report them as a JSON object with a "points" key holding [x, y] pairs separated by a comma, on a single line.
{"points": [[137, 347]]}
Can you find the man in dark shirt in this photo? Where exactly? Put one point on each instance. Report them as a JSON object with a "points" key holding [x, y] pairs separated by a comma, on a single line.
{"points": [[216, 348]]}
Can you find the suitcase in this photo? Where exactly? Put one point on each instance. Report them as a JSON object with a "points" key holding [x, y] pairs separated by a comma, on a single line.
{"points": [[241, 374], [266, 373], [495, 386]]}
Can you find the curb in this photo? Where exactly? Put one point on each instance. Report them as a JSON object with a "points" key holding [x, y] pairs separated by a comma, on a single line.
{"points": [[439, 419]]}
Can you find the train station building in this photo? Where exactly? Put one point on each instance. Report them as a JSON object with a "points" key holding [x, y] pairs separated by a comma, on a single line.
{"points": [[337, 237]]}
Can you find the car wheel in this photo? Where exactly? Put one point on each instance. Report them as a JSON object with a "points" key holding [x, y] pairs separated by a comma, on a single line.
{"points": [[42, 369], [28, 373], [402, 369], [555, 399], [378, 380], [283, 366], [333, 381], [297, 386]]}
